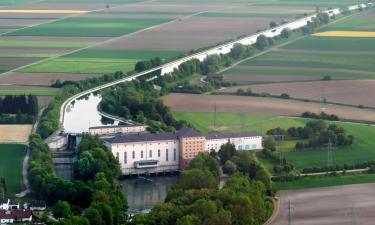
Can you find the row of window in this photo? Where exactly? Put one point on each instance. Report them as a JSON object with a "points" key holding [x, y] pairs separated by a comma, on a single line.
{"points": [[149, 155]]}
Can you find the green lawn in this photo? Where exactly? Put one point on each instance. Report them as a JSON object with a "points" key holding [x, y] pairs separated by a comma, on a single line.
{"points": [[49, 92], [89, 27], [315, 182], [250, 14], [113, 54], [235, 122], [11, 157]]}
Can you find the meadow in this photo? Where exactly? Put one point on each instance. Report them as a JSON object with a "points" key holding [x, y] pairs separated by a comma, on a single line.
{"points": [[11, 166], [41, 92]]}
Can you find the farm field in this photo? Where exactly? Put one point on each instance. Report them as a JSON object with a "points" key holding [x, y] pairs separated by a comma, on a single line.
{"points": [[316, 56], [258, 105], [11, 166], [73, 40], [14, 133], [352, 92], [329, 206]]}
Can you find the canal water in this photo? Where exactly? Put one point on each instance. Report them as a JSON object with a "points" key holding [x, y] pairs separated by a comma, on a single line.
{"points": [[142, 193], [82, 114]]}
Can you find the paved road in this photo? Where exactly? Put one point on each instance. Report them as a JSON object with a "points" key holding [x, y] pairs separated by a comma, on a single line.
{"points": [[25, 166], [340, 205]]}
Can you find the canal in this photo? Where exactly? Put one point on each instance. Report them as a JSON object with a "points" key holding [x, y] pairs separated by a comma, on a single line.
{"points": [[142, 193]]}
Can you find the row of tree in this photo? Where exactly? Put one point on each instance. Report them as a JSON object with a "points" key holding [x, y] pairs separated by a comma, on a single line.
{"points": [[20, 109], [94, 198]]}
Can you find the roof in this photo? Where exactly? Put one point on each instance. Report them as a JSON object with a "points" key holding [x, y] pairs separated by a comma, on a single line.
{"points": [[188, 132], [143, 137], [21, 213], [13, 202], [218, 135], [118, 126], [5, 214]]}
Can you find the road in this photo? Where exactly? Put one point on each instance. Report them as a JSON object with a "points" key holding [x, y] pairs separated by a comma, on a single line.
{"points": [[340, 205]]}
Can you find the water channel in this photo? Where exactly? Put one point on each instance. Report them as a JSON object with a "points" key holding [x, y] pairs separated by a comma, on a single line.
{"points": [[142, 193]]}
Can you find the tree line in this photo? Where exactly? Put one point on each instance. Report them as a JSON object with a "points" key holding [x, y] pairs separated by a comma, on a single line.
{"points": [[19, 109], [94, 198]]}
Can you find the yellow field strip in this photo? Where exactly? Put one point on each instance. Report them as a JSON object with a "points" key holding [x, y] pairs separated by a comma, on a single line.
{"points": [[42, 11], [345, 34]]}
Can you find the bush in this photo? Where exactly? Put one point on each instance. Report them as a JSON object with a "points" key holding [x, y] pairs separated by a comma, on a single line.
{"points": [[229, 167]]}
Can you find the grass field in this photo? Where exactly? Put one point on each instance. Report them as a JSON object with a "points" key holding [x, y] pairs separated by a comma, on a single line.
{"points": [[96, 61], [235, 122], [48, 92], [11, 157], [89, 27], [316, 182], [362, 150]]}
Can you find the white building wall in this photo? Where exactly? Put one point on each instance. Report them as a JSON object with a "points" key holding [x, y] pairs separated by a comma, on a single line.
{"points": [[119, 129], [241, 143], [166, 163]]}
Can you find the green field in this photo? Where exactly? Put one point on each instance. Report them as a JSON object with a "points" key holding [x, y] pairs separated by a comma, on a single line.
{"points": [[315, 182], [96, 61], [89, 27], [49, 92], [45, 44], [11, 157], [235, 122], [250, 14], [362, 150]]}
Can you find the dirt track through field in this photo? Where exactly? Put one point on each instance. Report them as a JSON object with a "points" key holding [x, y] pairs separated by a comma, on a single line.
{"points": [[341, 205], [262, 106]]}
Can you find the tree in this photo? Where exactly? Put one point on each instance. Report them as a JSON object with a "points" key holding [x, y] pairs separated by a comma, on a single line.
{"points": [[262, 42], [61, 210], [273, 24], [286, 32], [238, 51], [196, 179], [229, 167], [269, 143], [226, 152], [93, 216]]}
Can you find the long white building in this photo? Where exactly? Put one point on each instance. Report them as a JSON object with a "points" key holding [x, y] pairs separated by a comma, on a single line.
{"points": [[145, 153]]}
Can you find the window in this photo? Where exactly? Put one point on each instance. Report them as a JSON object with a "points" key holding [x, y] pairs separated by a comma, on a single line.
{"points": [[141, 154], [133, 155], [174, 154], [159, 153], [125, 157], [150, 154], [117, 155], [166, 154]]}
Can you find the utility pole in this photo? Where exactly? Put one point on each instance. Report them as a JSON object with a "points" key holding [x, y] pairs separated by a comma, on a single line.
{"points": [[280, 142], [215, 116], [330, 158]]}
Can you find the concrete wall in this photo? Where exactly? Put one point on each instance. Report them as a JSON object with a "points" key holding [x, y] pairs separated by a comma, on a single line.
{"points": [[119, 129]]}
